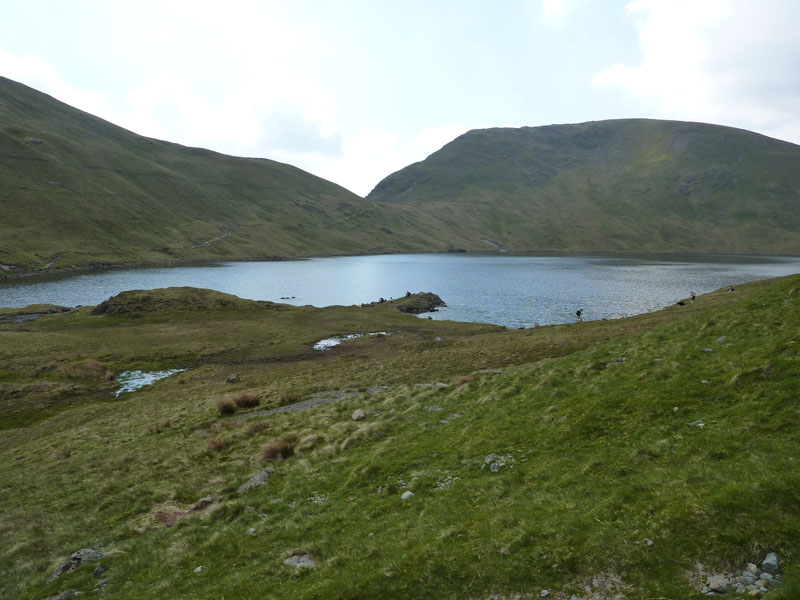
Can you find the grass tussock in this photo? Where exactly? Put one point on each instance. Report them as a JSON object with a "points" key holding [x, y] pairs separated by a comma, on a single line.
{"points": [[225, 407], [277, 449], [215, 444], [245, 400], [85, 369]]}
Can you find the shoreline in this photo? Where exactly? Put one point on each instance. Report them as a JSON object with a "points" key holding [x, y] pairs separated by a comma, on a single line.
{"points": [[6, 274]]}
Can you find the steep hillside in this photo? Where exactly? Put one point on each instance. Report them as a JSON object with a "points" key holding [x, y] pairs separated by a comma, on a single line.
{"points": [[76, 190], [624, 185]]}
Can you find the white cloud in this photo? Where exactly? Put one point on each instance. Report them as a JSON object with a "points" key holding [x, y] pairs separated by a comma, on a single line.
{"points": [[722, 61], [39, 73]]}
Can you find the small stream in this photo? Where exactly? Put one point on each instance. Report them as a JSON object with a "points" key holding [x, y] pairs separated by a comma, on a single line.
{"points": [[328, 343], [130, 381]]}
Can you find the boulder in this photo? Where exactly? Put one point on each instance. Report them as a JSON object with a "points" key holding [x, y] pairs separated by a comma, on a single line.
{"points": [[359, 414], [771, 563], [256, 480], [301, 561], [76, 559]]}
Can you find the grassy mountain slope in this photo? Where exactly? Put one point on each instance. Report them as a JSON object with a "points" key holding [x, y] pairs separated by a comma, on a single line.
{"points": [[591, 422], [76, 190], [622, 185]]}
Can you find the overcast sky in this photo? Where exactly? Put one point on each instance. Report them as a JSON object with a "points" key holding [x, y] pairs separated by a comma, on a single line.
{"points": [[353, 90]]}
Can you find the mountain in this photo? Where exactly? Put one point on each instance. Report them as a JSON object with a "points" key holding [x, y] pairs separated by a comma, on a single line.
{"points": [[78, 191], [620, 185]]}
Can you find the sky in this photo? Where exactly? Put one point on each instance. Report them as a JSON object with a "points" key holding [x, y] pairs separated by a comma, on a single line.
{"points": [[353, 90]]}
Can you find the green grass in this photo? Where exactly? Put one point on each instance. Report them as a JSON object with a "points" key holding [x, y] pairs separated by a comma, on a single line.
{"points": [[600, 454]]}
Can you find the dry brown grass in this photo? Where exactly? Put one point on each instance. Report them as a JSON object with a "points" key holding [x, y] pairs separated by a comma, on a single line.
{"points": [[216, 443], [245, 400], [85, 369], [255, 428], [158, 426], [225, 407], [465, 379], [276, 449], [289, 397]]}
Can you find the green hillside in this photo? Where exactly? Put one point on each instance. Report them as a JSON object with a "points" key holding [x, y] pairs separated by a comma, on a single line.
{"points": [[625, 459], [624, 185], [76, 191]]}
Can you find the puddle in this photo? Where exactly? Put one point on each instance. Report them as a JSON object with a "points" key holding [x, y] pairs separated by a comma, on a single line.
{"points": [[335, 341], [130, 381]]}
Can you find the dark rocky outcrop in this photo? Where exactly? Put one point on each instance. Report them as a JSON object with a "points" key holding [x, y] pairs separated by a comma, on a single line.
{"points": [[421, 302]]}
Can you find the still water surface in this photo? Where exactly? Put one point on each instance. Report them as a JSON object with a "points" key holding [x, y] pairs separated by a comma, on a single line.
{"points": [[516, 291]]}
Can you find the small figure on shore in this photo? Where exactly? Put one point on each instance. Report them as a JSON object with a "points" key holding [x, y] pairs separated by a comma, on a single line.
{"points": [[730, 288], [408, 294], [692, 297], [579, 314]]}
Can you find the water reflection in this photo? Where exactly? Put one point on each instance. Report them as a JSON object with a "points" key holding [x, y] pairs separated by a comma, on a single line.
{"points": [[516, 291]]}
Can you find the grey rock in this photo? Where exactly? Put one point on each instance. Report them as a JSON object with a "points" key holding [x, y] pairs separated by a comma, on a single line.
{"points": [[718, 583], [706, 349], [103, 581], [202, 503], [233, 378], [494, 467], [739, 589], [256, 480], [771, 563], [301, 561], [761, 583], [249, 508], [251, 531], [751, 568], [649, 542], [721, 339], [76, 559], [704, 381], [767, 576], [407, 494], [545, 593], [199, 569], [359, 414], [620, 359], [98, 572], [698, 423]]}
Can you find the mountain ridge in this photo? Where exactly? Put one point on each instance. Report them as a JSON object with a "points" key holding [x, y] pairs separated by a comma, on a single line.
{"points": [[618, 185]]}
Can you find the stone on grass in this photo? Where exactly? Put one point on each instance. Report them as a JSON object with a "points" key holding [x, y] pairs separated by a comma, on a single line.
{"points": [[359, 414], [301, 561], [76, 559], [233, 378], [98, 572], [256, 480], [545, 593], [718, 583], [199, 569], [721, 339], [251, 531], [202, 503], [771, 563], [406, 495]]}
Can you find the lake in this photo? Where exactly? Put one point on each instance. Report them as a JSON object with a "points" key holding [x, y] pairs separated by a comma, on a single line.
{"points": [[516, 291]]}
